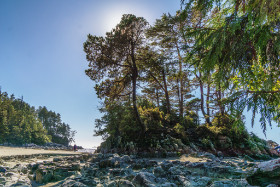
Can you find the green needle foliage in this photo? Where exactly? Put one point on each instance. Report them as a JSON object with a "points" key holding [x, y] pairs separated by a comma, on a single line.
{"points": [[240, 42], [113, 60], [21, 123], [192, 75]]}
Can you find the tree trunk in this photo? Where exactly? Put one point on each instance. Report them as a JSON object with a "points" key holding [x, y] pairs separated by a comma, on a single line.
{"points": [[134, 102], [166, 93], [181, 104], [207, 103], [134, 89], [157, 97], [202, 100], [222, 110], [180, 86]]}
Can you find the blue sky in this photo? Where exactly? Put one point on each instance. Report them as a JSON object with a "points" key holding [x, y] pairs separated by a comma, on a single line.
{"points": [[42, 58]]}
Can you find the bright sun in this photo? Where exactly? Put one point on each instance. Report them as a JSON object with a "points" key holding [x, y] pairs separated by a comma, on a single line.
{"points": [[115, 12], [112, 19]]}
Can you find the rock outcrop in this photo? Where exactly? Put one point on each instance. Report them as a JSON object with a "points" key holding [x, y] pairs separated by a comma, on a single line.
{"points": [[198, 169], [266, 173]]}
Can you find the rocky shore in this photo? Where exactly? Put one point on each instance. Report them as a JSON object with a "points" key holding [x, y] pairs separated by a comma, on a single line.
{"points": [[114, 170]]}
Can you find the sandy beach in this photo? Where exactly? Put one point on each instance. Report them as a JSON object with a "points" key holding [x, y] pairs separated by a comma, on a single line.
{"points": [[12, 151]]}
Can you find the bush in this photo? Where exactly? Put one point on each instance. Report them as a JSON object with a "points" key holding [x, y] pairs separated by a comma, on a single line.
{"points": [[151, 117], [206, 143]]}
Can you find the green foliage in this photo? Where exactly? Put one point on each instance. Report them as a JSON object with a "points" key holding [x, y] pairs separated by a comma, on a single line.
{"points": [[118, 120], [224, 132], [20, 123], [59, 132], [257, 145], [228, 51], [151, 117], [190, 120], [113, 62], [239, 43], [206, 143], [179, 129]]}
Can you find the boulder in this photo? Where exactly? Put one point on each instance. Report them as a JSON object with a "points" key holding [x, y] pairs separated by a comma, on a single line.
{"points": [[168, 184], [112, 184], [110, 162], [272, 185], [143, 179], [72, 183], [2, 169], [87, 181], [144, 163], [175, 171], [166, 165], [181, 180], [34, 166], [24, 169], [202, 181], [9, 174], [230, 183], [266, 173], [125, 183], [117, 172], [43, 176], [208, 155], [105, 163], [57, 159], [126, 159], [159, 172], [268, 165], [75, 167]]}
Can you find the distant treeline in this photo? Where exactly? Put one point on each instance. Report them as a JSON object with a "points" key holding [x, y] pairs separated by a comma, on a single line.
{"points": [[21, 123]]}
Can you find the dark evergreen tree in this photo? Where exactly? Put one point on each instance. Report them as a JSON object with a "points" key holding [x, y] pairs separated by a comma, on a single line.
{"points": [[113, 62], [60, 132]]}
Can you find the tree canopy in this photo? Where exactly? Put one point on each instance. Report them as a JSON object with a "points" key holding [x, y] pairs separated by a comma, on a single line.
{"points": [[113, 59], [21, 123], [239, 41], [198, 69]]}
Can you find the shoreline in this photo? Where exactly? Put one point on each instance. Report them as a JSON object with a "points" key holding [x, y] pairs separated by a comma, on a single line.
{"points": [[15, 151]]}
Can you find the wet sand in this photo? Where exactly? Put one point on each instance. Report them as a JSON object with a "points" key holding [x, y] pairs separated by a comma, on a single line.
{"points": [[12, 151]]}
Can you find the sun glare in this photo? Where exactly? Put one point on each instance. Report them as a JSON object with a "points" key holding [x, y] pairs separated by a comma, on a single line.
{"points": [[114, 15], [112, 19]]}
